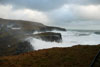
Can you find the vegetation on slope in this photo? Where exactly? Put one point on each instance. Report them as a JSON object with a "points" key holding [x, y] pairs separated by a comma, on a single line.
{"points": [[28, 26], [76, 56]]}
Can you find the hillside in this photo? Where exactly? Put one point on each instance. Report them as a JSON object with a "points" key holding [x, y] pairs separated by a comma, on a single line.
{"points": [[76, 56], [14, 35], [27, 26]]}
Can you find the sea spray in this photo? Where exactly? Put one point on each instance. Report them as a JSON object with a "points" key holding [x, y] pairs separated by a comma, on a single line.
{"points": [[70, 38]]}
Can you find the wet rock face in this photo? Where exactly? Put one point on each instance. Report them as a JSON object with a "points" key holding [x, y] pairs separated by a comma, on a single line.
{"points": [[10, 45], [14, 32], [55, 28], [49, 36], [23, 47], [97, 33], [13, 43], [15, 49]]}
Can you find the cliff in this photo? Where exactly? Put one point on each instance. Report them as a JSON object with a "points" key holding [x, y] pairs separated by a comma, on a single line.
{"points": [[49, 36], [28, 26], [13, 42], [14, 34]]}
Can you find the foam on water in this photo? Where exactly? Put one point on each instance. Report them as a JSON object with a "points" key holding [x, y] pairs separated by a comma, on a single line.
{"points": [[70, 38]]}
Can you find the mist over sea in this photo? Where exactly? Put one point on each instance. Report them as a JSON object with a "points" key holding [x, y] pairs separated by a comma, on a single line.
{"points": [[78, 33], [70, 38]]}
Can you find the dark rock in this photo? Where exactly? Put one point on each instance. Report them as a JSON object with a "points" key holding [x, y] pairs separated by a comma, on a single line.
{"points": [[49, 36], [23, 47], [14, 32], [15, 49], [13, 43], [51, 28], [28, 26], [56, 28], [97, 33]]}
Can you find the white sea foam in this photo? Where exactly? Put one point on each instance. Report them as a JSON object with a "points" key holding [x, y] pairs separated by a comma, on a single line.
{"points": [[70, 38]]}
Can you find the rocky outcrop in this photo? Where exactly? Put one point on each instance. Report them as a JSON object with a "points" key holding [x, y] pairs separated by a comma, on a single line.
{"points": [[97, 33], [28, 26], [51, 28], [13, 35], [13, 42], [49, 36], [14, 49], [56, 28]]}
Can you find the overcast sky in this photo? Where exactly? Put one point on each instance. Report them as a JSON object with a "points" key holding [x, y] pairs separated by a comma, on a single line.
{"points": [[53, 12]]}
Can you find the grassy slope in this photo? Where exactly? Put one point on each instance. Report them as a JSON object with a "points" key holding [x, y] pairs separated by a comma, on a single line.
{"points": [[29, 25], [76, 56]]}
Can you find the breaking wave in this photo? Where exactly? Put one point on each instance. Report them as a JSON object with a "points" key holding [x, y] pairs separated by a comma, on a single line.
{"points": [[70, 38]]}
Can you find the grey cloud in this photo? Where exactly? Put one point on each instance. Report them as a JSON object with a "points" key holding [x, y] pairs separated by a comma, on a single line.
{"points": [[59, 14], [93, 2], [74, 13], [84, 2], [45, 5]]}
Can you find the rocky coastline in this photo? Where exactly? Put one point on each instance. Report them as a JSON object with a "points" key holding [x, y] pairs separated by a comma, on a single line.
{"points": [[13, 35]]}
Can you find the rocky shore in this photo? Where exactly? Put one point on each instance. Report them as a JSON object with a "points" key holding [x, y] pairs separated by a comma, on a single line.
{"points": [[13, 35], [49, 36]]}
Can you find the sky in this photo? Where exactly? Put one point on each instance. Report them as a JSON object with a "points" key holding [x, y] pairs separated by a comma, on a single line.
{"points": [[73, 14]]}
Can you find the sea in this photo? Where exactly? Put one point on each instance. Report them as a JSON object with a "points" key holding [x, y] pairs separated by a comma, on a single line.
{"points": [[69, 38]]}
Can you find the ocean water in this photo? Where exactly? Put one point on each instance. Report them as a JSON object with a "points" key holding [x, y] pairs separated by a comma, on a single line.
{"points": [[70, 38]]}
